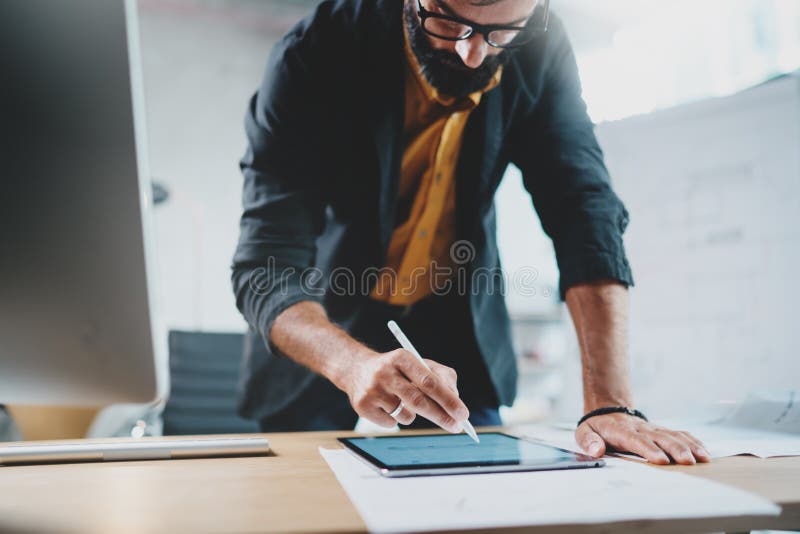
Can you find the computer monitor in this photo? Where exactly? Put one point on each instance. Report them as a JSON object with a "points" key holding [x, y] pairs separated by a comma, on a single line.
{"points": [[77, 326]]}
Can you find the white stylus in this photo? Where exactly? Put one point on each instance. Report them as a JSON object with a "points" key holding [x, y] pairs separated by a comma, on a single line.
{"points": [[406, 344]]}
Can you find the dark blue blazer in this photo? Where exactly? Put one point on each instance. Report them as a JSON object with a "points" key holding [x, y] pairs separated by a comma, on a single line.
{"points": [[322, 169]]}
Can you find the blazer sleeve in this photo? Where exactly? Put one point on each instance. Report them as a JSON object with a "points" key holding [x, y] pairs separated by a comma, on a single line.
{"points": [[564, 172], [284, 196]]}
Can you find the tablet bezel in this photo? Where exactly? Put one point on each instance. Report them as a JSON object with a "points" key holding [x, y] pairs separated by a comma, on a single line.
{"points": [[579, 461]]}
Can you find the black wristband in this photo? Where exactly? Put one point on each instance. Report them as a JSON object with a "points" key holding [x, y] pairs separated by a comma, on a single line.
{"points": [[613, 409]]}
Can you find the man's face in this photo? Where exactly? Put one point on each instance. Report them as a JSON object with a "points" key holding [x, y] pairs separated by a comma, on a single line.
{"points": [[458, 68]]}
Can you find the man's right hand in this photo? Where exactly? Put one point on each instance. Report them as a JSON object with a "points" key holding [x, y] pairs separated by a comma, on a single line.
{"points": [[379, 382], [375, 383]]}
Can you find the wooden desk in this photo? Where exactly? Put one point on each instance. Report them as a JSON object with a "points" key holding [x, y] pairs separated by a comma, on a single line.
{"points": [[294, 491]]}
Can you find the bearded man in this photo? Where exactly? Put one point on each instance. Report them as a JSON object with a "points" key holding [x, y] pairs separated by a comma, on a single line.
{"points": [[376, 144]]}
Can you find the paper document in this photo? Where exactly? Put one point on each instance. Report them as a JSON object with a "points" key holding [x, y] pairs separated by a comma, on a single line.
{"points": [[725, 440], [720, 439], [764, 424], [621, 491], [771, 411]]}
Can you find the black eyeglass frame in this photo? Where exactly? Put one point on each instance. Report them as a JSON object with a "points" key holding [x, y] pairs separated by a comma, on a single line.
{"points": [[539, 29]]}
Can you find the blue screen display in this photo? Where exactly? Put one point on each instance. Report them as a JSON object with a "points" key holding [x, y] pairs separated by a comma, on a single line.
{"points": [[457, 449]]}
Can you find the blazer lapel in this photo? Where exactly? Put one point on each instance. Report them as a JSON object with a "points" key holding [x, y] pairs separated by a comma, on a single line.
{"points": [[388, 136], [386, 108], [479, 153]]}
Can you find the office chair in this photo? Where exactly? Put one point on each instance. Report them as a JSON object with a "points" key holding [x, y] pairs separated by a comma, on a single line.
{"points": [[204, 373]]}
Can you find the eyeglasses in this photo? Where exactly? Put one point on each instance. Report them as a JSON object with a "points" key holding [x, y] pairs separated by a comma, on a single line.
{"points": [[452, 28]]}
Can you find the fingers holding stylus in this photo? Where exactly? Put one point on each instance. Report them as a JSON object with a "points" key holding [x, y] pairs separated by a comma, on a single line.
{"points": [[446, 374], [382, 382], [414, 399], [432, 394]]}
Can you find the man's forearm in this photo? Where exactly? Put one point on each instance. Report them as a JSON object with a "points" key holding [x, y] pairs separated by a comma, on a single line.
{"points": [[304, 334], [599, 311]]}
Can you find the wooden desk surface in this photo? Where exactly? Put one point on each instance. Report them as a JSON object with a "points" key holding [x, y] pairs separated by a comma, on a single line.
{"points": [[294, 491]]}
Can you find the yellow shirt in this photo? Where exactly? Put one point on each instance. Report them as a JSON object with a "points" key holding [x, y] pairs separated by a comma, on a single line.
{"points": [[432, 134]]}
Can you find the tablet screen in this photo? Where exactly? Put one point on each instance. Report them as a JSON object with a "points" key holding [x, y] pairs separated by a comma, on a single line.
{"points": [[454, 450]]}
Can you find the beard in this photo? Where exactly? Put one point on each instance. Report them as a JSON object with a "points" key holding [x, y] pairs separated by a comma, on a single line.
{"points": [[445, 70]]}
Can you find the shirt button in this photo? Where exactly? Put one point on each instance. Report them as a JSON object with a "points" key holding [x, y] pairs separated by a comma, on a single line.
{"points": [[423, 233], [438, 177]]}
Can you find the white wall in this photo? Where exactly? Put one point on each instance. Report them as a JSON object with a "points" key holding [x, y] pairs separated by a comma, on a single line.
{"points": [[525, 251], [202, 61], [714, 241], [713, 189]]}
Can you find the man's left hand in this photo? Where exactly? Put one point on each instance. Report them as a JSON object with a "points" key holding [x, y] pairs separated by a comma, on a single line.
{"points": [[624, 433]]}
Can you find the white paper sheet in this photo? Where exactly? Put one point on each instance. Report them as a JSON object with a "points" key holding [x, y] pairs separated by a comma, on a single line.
{"points": [[619, 492], [764, 424], [772, 411], [720, 440]]}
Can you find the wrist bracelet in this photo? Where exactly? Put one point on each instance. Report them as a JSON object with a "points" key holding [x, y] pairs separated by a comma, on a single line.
{"points": [[612, 409]]}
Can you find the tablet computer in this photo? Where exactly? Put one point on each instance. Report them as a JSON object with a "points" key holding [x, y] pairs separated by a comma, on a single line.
{"points": [[448, 454]]}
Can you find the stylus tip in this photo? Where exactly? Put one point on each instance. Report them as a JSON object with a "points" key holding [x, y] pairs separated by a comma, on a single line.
{"points": [[470, 431]]}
